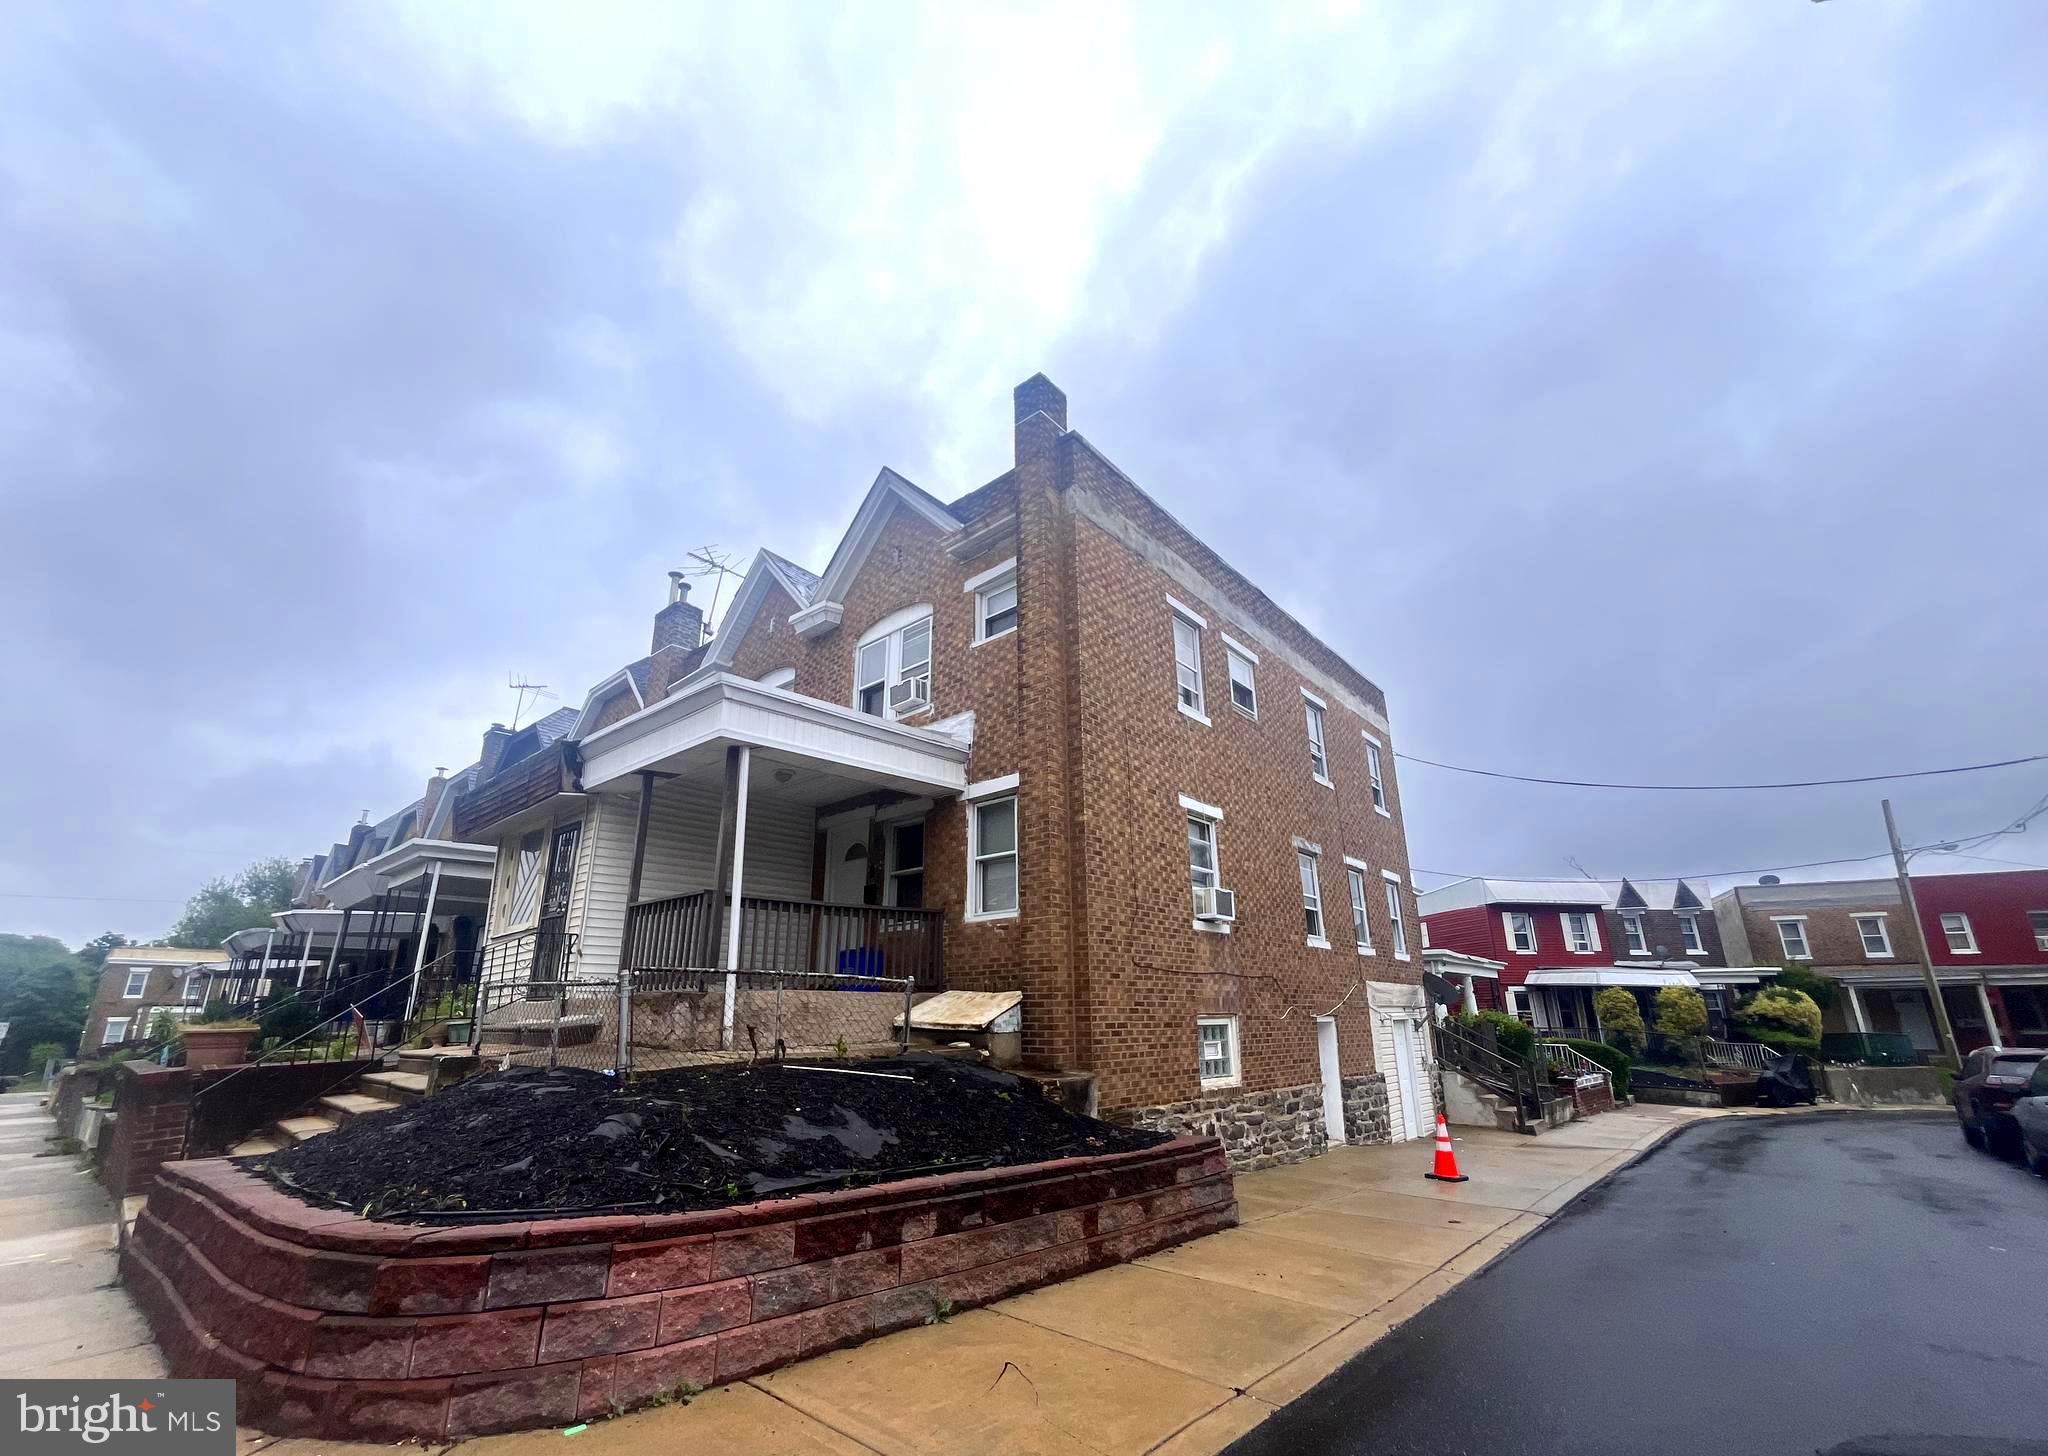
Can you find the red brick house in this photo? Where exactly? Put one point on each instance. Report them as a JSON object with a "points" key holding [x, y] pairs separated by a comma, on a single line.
{"points": [[1561, 941], [139, 981], [1070, 749], [1987, 935]]}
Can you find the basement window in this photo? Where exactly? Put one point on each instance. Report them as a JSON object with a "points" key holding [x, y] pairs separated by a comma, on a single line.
{"points": [[1216, 1050], [116, 1032]]}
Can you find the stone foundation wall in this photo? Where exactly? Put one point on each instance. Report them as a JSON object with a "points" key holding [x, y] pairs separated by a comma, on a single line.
{"points": [[341, 1327], [1367, 1114], [1257, 1129]]}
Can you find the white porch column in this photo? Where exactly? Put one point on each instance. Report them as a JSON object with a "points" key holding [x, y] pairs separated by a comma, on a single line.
{"points": [[269, 939], [1856, 1009], [306, 959], [1990, 1021], [1471, 998], [419, 952], [739, 860]]}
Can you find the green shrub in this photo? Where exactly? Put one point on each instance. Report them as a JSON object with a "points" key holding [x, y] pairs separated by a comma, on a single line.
{"points": [[45, 1052], [1681, 1016], [1779, 1040], [1780, 1008], [285, 1016], [1621, 1020], [1613, 1060], [1516, 1038], [1817, 988]]}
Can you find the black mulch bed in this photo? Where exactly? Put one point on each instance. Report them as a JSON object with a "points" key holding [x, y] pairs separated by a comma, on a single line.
{"points": [[527, 1141]]}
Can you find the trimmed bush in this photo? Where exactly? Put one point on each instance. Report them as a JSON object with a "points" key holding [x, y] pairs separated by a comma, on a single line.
{"points": [[1779, 1008], [1817, 988], [1681, 1016], [1779, 1040], [45, 1052], [1621, 1020], [1613, 1060], [1517, 1038]]}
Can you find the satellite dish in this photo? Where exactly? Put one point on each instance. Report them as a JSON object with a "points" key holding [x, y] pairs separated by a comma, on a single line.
{"points": [[1770, 880]]}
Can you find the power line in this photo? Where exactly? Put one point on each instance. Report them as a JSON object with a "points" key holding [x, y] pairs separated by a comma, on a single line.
{"points": [[1920, 773], [94, 899]]}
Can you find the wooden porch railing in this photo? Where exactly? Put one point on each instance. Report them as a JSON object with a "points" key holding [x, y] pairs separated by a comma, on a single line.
{"points": [[790, 935]]}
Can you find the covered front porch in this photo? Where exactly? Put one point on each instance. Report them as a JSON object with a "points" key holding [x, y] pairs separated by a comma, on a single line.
{"points": [[744, 828], [2005, 1006], [1561, 1000]]}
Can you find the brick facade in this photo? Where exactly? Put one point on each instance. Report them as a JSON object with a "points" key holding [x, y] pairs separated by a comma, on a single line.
{"points": [[164, 986], [1080, 703]]}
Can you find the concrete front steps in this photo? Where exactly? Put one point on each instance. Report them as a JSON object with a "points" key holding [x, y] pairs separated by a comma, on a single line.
{"points": [[421, 1072], [1468, 1103]]}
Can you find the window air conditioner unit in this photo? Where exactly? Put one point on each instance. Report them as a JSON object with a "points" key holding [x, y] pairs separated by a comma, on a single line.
{"points": [[909, 695], [1213, 902]]}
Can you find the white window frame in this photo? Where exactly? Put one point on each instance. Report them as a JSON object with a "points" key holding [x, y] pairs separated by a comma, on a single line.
{"points": [[892, 631], [2037, 920], [1376, 774], [133, 989], [1511, 922], [1635, 933], [197, 981], [1969, 934], [976, 806], [1316, 719], [1863, 923], [1689, 932], [1235, 1075], [108, 1036], [1238, 658], [1805, 951], [1394, 915], [1309, 865], [1361, 927], [1587, 944], [998, 579], [1184, 616]]}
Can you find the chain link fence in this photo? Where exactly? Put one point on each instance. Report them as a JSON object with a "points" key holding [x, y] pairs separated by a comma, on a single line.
{"points": [[644, 1021]]}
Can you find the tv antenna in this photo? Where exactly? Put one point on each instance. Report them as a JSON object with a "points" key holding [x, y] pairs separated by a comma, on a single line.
{"points": [[538, 691], [715, 562]]}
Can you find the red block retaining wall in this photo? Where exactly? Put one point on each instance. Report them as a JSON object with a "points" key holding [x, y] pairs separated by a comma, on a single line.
{"points": [[342, 1327]]}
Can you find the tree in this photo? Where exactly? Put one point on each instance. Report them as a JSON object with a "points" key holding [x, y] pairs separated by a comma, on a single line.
{"points": [[1681, 1015], [1816, 987], [1621, 1020], [223, 906], [47, 1004], [1784, 1009], [94, 952]]}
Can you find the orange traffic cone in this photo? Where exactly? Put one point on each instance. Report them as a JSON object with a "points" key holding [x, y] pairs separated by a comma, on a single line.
{"points": [[1446, 1170]]}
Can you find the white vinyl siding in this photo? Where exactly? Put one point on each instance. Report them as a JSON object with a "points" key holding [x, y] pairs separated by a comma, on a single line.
{"points": [[1388, 1061]]}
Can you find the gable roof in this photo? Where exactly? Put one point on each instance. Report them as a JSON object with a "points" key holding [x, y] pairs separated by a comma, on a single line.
{"points": [[768, 570], [634, 681], [889, 493], [801, 585]]}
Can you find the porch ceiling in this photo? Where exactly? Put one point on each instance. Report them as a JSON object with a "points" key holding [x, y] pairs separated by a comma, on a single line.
{"points": [[828, 751]]}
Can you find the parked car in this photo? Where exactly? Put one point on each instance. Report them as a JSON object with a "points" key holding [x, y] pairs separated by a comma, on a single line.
{"points": [[2030, 1115], [1993, 1079]]}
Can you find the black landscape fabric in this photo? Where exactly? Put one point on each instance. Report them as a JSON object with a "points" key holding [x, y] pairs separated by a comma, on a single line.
{"points": [[530, 1141]]}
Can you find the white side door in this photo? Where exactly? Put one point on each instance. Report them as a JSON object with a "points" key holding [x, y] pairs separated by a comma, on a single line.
{"points": [[1333, 1090], [1407, 1109]]}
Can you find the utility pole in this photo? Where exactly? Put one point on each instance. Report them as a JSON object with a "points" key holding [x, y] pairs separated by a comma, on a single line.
{"points": [[1946, 1032]]}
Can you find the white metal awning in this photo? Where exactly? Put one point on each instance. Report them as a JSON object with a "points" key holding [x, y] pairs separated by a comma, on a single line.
{"points": [[691, 728], [1612, 976], [1457, 963], [414, 860], [362, 926]]}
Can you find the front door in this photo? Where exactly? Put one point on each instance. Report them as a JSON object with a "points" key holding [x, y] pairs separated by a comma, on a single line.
{"points": [[847, 882], [1407, 1112], [1333, 1087], [551, 938]]}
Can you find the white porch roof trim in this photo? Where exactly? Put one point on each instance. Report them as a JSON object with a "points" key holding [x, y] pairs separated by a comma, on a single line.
{"points": [[408, 862], [1457, 963], [1613, 976], [328, 922], [727, 709]]}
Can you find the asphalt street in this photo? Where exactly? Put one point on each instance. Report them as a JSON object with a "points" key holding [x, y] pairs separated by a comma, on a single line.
{"points": [[1842, 1283]]}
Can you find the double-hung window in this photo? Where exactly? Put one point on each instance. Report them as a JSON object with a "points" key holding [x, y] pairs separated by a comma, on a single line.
{"points": [[138, 982], [1244, 689], [1521, 929], [992, 859], [1876, 935], [1633, 932], [116, 1030], [1361, 928], [1581, 932], [1216, 1050], [1312, 899], [1318, 759], [892, 668], [1961, 939], [1202, 852], [2039, 920], [906, 864], [1689, 932], [1398, 927], [1187, 662], [995, 600], [194, 992], [1375, 775], [1792, 937]]}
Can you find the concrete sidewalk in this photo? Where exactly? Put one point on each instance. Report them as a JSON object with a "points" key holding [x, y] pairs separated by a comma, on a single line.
{"points": [[1180, 1352], [61, 1313]]}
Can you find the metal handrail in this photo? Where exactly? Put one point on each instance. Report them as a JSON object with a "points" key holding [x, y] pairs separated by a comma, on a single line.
{"points": [[1492, 1069], [1557, 1054], [1751, 1054]]}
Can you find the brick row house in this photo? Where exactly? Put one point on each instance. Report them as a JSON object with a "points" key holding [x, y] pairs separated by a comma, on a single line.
{"points": [[1037, 739], [1559, 942], [1987, 935], [138, 984]]}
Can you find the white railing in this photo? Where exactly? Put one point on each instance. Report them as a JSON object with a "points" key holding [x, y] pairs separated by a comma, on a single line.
{"points": [[1557, 1054], [1751, 1054]]}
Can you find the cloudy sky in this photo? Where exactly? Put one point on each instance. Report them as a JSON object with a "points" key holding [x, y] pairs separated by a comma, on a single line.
{"points": [[1635, 390]]}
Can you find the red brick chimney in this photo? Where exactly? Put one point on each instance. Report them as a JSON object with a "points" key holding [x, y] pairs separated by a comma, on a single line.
{"points": [[678, 624]]}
